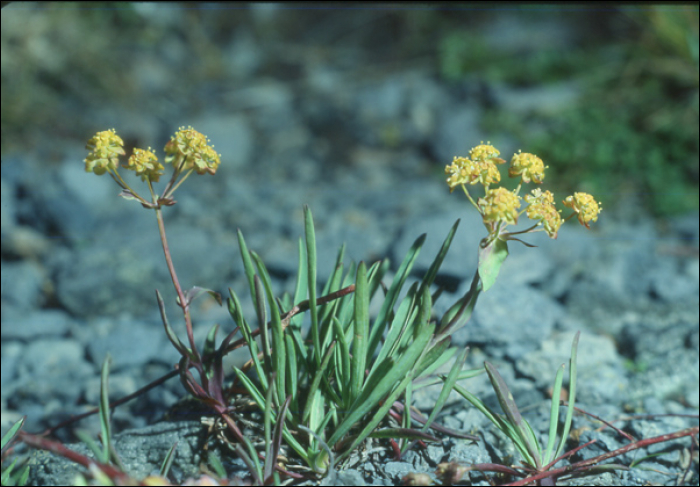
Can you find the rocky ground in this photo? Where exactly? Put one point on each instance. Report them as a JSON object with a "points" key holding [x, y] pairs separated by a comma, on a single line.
{"points": [[365, 150]]}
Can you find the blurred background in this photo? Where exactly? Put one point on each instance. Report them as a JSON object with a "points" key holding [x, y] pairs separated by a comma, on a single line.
{"points": [[607, 96]]}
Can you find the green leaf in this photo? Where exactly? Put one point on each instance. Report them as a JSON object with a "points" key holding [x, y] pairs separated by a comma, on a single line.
{"points": [[168, 461], [554, 415], [277, 353], [172, 336], [105, 426], [505, 399], [311, 278], [301, 288], [491, 258], [247, 263], [234, 308], [361, 331], [391, 383], [11, 433], [447, 387], [392, 295], [572, 394], [437, 262]]}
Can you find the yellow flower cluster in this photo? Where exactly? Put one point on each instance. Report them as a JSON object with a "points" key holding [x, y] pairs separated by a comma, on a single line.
{"points": [[499, 206], [585, 207], [105, 149], [479, 168], [528, 166], [146, 164], [188, 149], [541, 207]]}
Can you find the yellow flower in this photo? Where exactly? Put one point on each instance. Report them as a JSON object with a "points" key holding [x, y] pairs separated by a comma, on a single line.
{"points": [[499, 205], [486, 153], [105, 149], [146, 164], [188, 149], [528, 166], [465, 171], [459, 172], [585, 206], [541, 207]]}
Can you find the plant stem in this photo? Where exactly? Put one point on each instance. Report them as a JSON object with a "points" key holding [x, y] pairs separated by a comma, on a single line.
{"points": [[183, 303]]}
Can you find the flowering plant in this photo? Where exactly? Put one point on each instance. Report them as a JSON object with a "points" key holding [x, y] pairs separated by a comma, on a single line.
{"points": [[500, 207]]}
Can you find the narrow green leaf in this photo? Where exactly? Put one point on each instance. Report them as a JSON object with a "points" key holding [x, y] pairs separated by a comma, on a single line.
{"points": [[311, 278], [447, 387], [302, 285], [172, 336], [505, 399], [247, 263], [460, 312], [392, 295], [267, 429], [343, 373], [252, 389], [235, 310], [11, 433], [554, 415], [168, 461], [572, 395], [383, 390], [438, 354], [429, 277], [277, 355], [105, 425], [396, 328], [491, 258], [210, 342], [292, 384], [409, 434], [261, 311], [403, 374], [216, 465], [361, 331], [316, 382]]}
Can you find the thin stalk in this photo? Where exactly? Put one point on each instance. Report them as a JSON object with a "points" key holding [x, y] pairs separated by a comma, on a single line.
{"points": [[180, 295]]}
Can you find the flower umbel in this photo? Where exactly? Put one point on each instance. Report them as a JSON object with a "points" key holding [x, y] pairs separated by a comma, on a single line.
{"points": [[528, 166], [145, 164], [189, 149], [541, 207], [105, 148], [585, 207], [486, 153], [500, 205]]}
